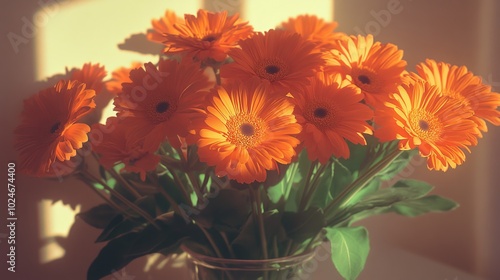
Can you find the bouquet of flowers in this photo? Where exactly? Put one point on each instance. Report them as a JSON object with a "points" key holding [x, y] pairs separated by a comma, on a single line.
{"points": [[245, 146]]}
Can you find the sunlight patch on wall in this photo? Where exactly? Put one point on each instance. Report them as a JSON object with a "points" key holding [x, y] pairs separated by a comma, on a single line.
{"points": [[56, 220], [77, 32], [264, 14]]}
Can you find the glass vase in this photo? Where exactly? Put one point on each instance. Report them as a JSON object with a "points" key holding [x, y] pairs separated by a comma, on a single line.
{"points": [[203, 267]]}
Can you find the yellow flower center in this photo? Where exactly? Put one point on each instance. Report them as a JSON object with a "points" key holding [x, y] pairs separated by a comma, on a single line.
{"points": [[425, 125], [321, 114], [245, 130], [271, 69], [159, 109]]}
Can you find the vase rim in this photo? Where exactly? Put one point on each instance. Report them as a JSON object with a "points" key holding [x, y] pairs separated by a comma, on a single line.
{"points": [[304, 256]]}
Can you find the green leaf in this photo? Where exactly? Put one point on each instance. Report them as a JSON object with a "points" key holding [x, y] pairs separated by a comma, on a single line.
{"points": [[303, 225], [161, 202], [397, 165], [372, 187], [171, 188], [118, 226], [350, 248], [99, 216], [401, 191], [278, 181], [413, 187], [356, 158], [416, 207], [147, 203], [229, 208], [341, 179], [139, 242], [247, 244]]}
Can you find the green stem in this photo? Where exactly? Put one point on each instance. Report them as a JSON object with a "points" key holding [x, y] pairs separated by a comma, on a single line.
{"points": [[307, 186], [124, 182], [105, 198], [275, 247], [120, 178], [205, 181], [121, 198], [314, 184], [211, 241], [172, 202], [350, 191], [289, 182], [288, 248], [229, 247], [195, 184], [181, 186], [255, 195]]}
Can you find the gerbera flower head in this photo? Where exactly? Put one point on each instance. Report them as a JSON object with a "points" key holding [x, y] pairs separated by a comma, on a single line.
{"points": [[120, 76], [373, 67], [330, 114], [49, 130], [280, 58], [459, 83], [247, 131], [207, 35], [162, 102], [419, 116], [163, 26], [90, 74], [316, 30], [110, 141]]}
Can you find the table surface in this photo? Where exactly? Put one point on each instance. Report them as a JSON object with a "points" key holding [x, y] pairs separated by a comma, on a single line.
{"points": [[393, 264]]}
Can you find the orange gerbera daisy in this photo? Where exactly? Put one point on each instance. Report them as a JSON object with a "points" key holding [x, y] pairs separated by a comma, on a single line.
{"points": [[283, 59], [315, 30], [120, 76], [373, 67], [161, 103], [247, 132], [207, 35], [49, 131], [331, 114], [461, 84], [163, 26], [110, 141], [418, 116], [90, 74]]}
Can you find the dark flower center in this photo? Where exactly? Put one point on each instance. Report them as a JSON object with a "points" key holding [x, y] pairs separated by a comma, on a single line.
{"points": [[272, 69], [423, 125], [55, 127], [364, 79], [247, 129], [162, 107], [320, 112], [209, 38]]}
